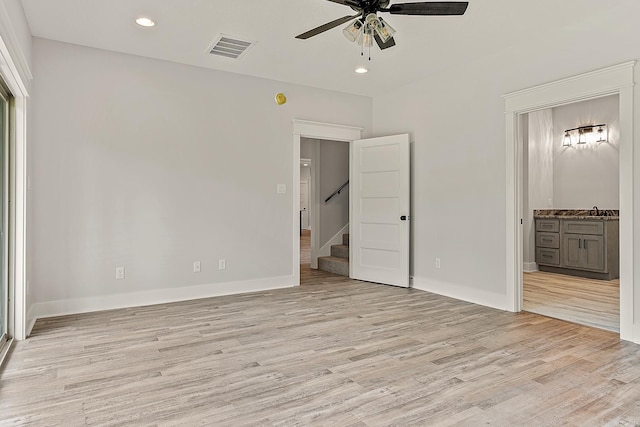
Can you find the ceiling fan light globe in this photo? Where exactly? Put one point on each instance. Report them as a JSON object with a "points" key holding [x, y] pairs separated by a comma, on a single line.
{"points": [[352, 31], [365, 39], [386, 31]]}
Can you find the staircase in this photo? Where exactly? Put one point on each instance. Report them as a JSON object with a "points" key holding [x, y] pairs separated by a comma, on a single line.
{"points": [[338, 262]]}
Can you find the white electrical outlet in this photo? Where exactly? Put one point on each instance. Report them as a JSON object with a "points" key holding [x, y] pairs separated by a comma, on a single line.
{"points": [[437, 262], [282, 188], [222, 264], [196, 266], [119, 273]]}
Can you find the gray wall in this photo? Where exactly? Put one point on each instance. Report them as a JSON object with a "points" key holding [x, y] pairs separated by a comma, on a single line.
{"points": [[540, 190], [587, 175], [334, 171], [143, 164], [305, 172], [306, 148]]}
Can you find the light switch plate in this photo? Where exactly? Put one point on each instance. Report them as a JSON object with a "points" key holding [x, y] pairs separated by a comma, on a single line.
{"points": [[282, 188]]}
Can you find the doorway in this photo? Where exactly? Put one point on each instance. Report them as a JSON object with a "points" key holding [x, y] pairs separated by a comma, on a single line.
{"points": [[378, 209], [613, 80], [324, 205], [571, 179], [303, 129], [305, 217]]}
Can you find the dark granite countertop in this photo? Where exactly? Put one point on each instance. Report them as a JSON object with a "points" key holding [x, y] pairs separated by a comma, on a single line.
{"points": [[606, 214]]}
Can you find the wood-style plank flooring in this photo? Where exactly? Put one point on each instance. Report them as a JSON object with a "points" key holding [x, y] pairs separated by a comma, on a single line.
{"points": [[585, 301], [305, 247], [338, 353]]}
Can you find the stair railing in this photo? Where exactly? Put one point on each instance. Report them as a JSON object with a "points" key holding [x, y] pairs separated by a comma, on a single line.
{"points": [[335, 193]]}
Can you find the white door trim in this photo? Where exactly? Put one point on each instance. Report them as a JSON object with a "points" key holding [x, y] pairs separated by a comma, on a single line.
{"points": [[315, 130], [12, 67], [618, 79]]}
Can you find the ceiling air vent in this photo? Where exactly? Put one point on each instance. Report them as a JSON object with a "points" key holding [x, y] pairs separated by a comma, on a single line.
{"points": [[230, 47]]}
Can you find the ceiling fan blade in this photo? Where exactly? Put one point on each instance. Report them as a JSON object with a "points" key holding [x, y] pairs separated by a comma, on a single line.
{"points": [[325, 27], [353, 3], [382, 45], [429, 8]]}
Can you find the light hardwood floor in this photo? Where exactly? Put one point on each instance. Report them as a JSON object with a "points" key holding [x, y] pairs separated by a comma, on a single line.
{"points": [[305, 247], [585, 301], [342, 353]]}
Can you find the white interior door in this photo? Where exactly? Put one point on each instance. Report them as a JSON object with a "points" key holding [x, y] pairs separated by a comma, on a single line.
{"points": [[304, 203], [379, 223]]}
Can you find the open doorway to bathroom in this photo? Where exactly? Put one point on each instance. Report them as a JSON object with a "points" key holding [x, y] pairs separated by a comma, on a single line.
{"points": [[571, 202]]}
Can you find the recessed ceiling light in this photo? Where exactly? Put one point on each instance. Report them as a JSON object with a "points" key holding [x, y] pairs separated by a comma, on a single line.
{"points": [[305, 164], [145, 22], [361, 70]]}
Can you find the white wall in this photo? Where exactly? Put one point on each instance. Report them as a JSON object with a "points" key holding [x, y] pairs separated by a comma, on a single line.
{"points": [[15, 33], [143, 164], [540, 173], [456, 119], [306, 148], [585, 175]]}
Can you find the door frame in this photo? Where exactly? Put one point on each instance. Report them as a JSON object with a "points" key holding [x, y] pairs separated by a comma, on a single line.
{"points": [[313, 130], [615, 80], [13, 67]]}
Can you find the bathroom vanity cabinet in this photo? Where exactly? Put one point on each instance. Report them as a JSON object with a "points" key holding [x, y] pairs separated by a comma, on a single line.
{"points": [[580, 246]]}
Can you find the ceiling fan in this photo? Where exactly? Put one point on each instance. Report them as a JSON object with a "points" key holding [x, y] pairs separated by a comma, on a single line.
{"points": [[367, 26]]}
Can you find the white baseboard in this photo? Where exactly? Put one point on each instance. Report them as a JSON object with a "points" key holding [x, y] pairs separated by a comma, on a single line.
{"points": [[636, 333], [335, 240], [463, 293], [156, 296], [529, 267]]}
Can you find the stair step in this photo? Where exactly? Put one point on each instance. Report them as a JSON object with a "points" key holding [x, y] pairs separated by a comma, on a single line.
{"points": [[340, 251], [345, 239], [334, 265]]}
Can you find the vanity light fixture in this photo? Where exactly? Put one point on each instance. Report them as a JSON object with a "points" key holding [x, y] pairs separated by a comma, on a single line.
{"points": [[582, 135], [585, 134], [602, 134]]}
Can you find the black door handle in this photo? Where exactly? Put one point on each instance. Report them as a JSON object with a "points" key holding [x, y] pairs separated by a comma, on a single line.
{"points": [[403, 218]]}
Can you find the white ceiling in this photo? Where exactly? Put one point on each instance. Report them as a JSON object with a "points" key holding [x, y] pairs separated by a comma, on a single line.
{"points": [[425, 45]]}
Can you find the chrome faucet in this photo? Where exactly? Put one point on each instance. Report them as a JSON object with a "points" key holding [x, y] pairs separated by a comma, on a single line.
{"points": [[595, 208]]}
